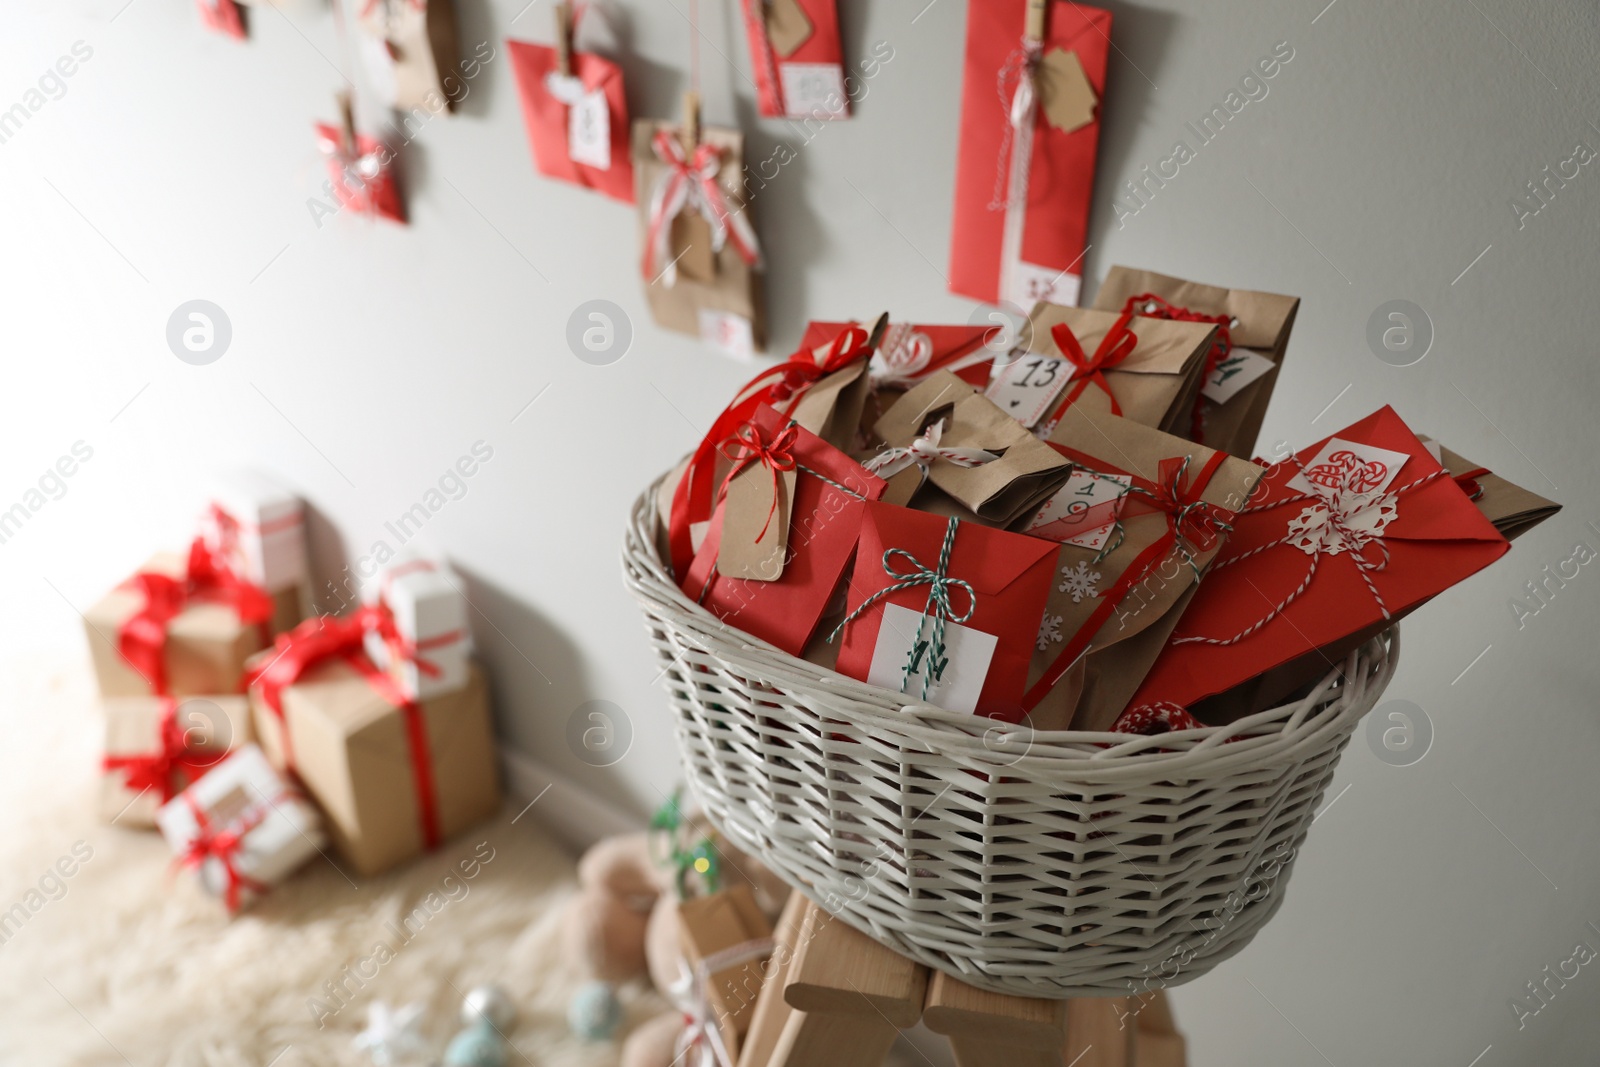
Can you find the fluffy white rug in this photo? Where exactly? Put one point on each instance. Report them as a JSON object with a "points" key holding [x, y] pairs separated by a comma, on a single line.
{"points": [[125, 963]]}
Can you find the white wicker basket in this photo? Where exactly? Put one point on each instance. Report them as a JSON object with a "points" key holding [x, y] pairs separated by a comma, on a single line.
{"points": [[1042, 864]]}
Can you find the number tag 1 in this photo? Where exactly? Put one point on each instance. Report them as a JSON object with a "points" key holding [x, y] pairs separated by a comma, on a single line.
{"points": [[1026, 388]]}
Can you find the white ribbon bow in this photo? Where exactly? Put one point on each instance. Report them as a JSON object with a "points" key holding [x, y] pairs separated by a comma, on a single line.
{"points": [[691, 184], [923, 452]]}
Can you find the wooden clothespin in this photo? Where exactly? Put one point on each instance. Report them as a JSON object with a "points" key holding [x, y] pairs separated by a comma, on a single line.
{"points": [[878, 329], [563, 12], [1033, 31], [347, 124], [691, 122]]}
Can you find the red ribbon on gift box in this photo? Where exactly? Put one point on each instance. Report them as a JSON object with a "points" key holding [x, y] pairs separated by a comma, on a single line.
{"points": [[328, 637], [781, 386], [1117, 345], [223, 846], [142, 638], [775, 454], [157, 770], [690, 183], [1151, 306], [1190, 521]]}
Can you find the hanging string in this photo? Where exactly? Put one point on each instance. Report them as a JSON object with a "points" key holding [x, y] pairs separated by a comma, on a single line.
{"points": [[694, 47]]}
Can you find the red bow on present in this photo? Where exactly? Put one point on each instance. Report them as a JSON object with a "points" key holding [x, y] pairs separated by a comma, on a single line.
{"points": [[158, 770], [142, 638], [1152, 306], [1194, 523], [775, 455], [327, 637], [690, 183], [1117, 345], [223, 846], [782, 386]]}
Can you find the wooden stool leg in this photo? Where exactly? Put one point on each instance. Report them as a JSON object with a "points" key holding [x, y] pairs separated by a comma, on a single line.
{"points": [[1156, 1036], [835, 998], [1100, 1032], [994, 1030]]}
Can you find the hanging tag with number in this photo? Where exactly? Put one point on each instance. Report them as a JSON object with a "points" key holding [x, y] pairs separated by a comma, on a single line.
{"points": [[1027, 388]]}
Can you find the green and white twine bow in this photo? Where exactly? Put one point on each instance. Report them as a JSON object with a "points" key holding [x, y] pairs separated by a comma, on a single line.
{"points": [[931, 657]]}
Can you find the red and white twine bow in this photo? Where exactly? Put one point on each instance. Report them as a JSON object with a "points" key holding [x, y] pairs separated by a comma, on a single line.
{"points": [[903, 356], [691, 184], [924, 452], [1117, 345], [746, 447], [1338, 521], [700, 1044]]}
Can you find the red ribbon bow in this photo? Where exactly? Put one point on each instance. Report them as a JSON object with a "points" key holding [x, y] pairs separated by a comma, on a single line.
{"points": [[1152, 306], [775, 455], [782, 386], [223, 846], [326, 637], [1194, 523], [142, 638], [1117, 345], [158, 770]]}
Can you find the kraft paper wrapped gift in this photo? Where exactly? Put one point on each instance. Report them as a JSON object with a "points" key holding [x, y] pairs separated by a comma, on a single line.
{"points": [[1020, 473], [1170, 503], [256, 525], [188, 627], [1238, 385], [156, 746], [1151, 380], [1512, 509], [409, 50], [423, 641], [701, 266], [394, 777], [729, 925], [242, 826]]}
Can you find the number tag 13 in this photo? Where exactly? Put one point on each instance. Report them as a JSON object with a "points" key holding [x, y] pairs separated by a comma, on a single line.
{"points": [[1026, 388]]}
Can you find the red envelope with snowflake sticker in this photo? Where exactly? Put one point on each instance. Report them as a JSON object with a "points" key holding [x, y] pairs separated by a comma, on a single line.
{"points": [[945, 611], [577, 122], [783, 532], [1341, 538], [1033, 77], [797, 58]]}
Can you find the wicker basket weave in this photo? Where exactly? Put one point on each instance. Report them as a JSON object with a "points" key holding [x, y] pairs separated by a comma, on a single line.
{"points": [[1040, 864]]}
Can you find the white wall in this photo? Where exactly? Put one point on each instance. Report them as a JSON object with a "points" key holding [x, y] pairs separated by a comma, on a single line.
{"points": [[367, 358]]}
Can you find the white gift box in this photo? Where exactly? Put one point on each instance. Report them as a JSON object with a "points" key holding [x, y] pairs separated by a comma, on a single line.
{"points": [[430, 616], [259, 524], [277, 828]]}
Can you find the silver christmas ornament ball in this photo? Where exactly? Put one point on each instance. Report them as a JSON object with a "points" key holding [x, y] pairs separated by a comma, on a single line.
{"points": [[488, 1002]]}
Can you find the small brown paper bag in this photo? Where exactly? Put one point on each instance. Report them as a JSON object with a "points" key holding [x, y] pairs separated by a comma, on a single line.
{"points": [[353, 751], [1116, 603], [1512, 509], [720, 922], [206, 648], [202, 731], [1258, 328], [709, 293], [1154, 385], [410, 52], [1003, 491]]}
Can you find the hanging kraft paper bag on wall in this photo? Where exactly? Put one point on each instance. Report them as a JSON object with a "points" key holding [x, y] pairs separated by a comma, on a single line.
{"points": [[1025, 165], [701, 264], [409, 50]]}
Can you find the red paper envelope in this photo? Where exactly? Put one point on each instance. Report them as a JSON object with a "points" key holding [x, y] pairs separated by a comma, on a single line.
{"points": [[823, 523], [972, 657], [576, 124], [222, 16], [364, 181], [1356, 529], [798, 62], [909, 353], [1019, 231]]}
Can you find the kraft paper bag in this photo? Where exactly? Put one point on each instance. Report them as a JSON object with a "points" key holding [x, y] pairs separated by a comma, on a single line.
{"points": [[410, 52]]}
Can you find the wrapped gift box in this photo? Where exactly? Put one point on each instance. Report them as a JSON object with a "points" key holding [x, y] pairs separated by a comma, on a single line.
{"points": [[729, 925], [257, 526], [424, 642], [395, 777], [242, 826], [188, 629], [155, 747], [409, 50]]}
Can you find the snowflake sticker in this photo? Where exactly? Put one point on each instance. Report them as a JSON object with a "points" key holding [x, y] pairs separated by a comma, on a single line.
{"points": [[1049, 631], [1079, 581]]}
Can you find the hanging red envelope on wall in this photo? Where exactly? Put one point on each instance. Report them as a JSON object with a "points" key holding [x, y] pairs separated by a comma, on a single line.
{"points": [[792, 491], [945, 611], [797, 58], [1339, 540], [577, 118], [361, 172], [1025, 165], [222, 16]]}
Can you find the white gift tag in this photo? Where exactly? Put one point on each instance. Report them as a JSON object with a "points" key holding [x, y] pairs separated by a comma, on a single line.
{"points": [[589, 130], [813, 89], [1238, 370], [728, 333], [1030, 283], [1084, 511], [905, 637], [1345, 465], [1026, 388]]}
